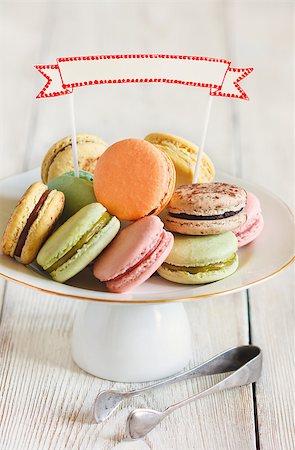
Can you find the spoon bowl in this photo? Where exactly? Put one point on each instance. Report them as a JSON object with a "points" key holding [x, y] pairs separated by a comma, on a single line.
{"points": [[106, 403], [142, 421]]}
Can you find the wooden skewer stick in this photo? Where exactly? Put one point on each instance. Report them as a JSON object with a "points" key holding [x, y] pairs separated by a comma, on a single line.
{"points": [[74, 138], [201, 149]]}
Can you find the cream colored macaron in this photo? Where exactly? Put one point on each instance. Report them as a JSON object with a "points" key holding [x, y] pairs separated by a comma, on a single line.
{"points": [[59, 159], [184, 156], [32, 220]]}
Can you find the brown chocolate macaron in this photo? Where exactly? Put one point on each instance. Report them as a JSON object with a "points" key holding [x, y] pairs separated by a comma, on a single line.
{"points": [[32, 220], [206, 208]]}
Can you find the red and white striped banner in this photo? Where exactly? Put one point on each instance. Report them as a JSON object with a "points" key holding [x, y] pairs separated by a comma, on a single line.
{"points": [[213, 73]]}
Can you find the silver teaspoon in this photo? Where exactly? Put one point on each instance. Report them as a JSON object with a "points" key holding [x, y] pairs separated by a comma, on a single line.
{"points": [[248, 369], [108, 401]]}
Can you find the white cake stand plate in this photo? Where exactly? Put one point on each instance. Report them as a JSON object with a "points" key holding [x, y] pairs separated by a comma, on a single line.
{"points": [[145, 334]]}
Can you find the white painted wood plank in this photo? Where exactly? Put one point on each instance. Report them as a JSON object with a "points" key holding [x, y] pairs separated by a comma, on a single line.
{"points": [[267, 140], [46, 400]]}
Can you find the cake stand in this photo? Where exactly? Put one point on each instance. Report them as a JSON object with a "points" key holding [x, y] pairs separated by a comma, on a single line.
{"points": [[145, 335]]}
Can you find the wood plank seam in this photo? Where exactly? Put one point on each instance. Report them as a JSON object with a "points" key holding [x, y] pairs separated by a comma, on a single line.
{"points": [[255, 411], [3, 300]]}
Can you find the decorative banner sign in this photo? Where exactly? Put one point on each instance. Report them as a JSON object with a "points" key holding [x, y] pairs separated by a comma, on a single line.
{"points": [[213, 73]]}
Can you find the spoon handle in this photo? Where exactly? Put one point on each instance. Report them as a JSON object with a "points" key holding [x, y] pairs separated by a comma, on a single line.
{"points": [[226, 361], [249, 373]]}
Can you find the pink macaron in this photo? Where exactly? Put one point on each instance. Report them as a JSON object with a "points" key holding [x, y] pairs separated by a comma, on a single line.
{"points": [[134, 255], [254, 223]]}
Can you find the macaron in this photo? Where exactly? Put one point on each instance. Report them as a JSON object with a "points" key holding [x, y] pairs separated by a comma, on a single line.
{"points": [[206, 208], [59, 159], [201, 259], [133, 179], [184, 156], [83, 174], [78, 242], [31, 222], [253, 226], [134, 255], [78, 192]]}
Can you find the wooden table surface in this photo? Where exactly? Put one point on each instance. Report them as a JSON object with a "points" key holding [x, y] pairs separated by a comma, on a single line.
{"points": [[45, 399]]}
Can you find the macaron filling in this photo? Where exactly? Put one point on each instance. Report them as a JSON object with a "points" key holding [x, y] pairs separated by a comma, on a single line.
{"points": [[213, 217], [197, 269], [32, 217], [142, 259], [97, 227]]}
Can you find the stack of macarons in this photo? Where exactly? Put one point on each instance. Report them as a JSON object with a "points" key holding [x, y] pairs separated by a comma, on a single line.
{"points": [[135, 181], [203, 215], [59, 222], [30, 234], [66, 222]]}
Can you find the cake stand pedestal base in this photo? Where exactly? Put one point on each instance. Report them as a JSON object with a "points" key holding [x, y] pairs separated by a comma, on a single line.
{"points": [[131, 342]]}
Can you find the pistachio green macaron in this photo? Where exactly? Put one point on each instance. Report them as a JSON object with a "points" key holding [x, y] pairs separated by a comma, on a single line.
{"points": [[78, 242], [201, 259], [78, 191]]}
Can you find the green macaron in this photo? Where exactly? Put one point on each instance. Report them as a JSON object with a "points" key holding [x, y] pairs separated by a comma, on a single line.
{"points": [[78, 242], [201, 259], [82, 174], [78, 192]]}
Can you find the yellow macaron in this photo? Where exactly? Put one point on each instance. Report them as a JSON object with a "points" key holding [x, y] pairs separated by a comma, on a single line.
{"points": [[184, 156], [59, 159], [32, 220]]}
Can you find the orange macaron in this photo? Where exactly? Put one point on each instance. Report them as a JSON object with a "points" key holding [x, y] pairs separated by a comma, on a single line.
{"points": [[133, 179]]}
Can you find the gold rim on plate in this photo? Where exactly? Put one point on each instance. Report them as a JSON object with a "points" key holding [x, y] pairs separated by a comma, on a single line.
{"points": [[215, 294]]}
